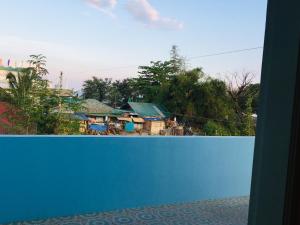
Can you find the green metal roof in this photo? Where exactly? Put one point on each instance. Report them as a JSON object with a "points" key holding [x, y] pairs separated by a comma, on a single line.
{"points": [[148, 109], [119, 111], [95, 108]]}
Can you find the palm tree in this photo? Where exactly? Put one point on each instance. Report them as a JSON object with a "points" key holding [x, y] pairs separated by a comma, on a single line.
{"points": [[38, 62], [20, 95], [20, 86]]}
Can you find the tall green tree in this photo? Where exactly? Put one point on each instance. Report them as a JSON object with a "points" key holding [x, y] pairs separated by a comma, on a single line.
{"points": [[152, 78], [252, 95], [26, 92], [38, 62], [177, 61], [209, 105], [96, 88], [247, 125], [179, 94], [123, 91]]}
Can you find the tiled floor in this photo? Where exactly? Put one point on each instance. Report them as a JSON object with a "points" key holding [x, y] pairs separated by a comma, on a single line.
{"points": [[218, 212]]}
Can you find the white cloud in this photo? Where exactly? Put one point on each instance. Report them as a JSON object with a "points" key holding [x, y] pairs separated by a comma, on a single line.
{"points": [[104, 6], [144, 12], [101, 4]]}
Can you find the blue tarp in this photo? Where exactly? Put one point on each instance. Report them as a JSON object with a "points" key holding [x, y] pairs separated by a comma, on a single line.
{"points": [[129, 127], [152, 119], [98, 127]]}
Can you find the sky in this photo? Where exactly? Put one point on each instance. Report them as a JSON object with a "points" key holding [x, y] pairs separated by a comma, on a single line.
{"points": [[110, 38]]}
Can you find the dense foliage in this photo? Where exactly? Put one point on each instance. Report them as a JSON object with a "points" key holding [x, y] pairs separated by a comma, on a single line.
{"points": [[202, 104], [35, 107], [209, 106]]}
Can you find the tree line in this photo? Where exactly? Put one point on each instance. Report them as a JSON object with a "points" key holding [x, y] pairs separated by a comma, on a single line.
{"points": [[208, 105], [34, 108]]}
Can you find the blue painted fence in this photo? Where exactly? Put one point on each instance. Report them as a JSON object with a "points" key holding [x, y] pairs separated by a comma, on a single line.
{"points": [[45, 177]]}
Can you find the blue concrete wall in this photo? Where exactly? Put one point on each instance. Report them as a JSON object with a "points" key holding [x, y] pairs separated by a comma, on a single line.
{"points": [[56, 176]]}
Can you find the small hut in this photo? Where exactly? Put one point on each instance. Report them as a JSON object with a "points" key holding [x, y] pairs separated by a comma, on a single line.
{"points": [[101, 116], [151, 116], [96, 111]]}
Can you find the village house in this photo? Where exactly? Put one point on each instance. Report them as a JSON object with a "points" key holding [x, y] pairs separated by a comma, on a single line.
{"points": [[152, 116], [99, 115]]}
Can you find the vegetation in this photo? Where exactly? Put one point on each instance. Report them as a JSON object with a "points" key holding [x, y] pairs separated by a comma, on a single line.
{"points": [[210, 106], [203, 104], [33, 102]]}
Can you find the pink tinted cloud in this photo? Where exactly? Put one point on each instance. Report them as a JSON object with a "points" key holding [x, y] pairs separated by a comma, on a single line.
{"points": [[101, 4], [144, 12], [104, 6]]}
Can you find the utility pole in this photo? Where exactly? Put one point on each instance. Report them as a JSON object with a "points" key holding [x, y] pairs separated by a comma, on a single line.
{"points": [[61, 80], [60, 85]]}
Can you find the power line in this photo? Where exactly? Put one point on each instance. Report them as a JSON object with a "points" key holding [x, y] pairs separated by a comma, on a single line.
{"points": [[226, 53], [193, 57]]}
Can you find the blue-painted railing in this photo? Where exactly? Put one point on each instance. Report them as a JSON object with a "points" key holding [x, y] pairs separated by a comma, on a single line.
{"points": [[43, 177]]}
